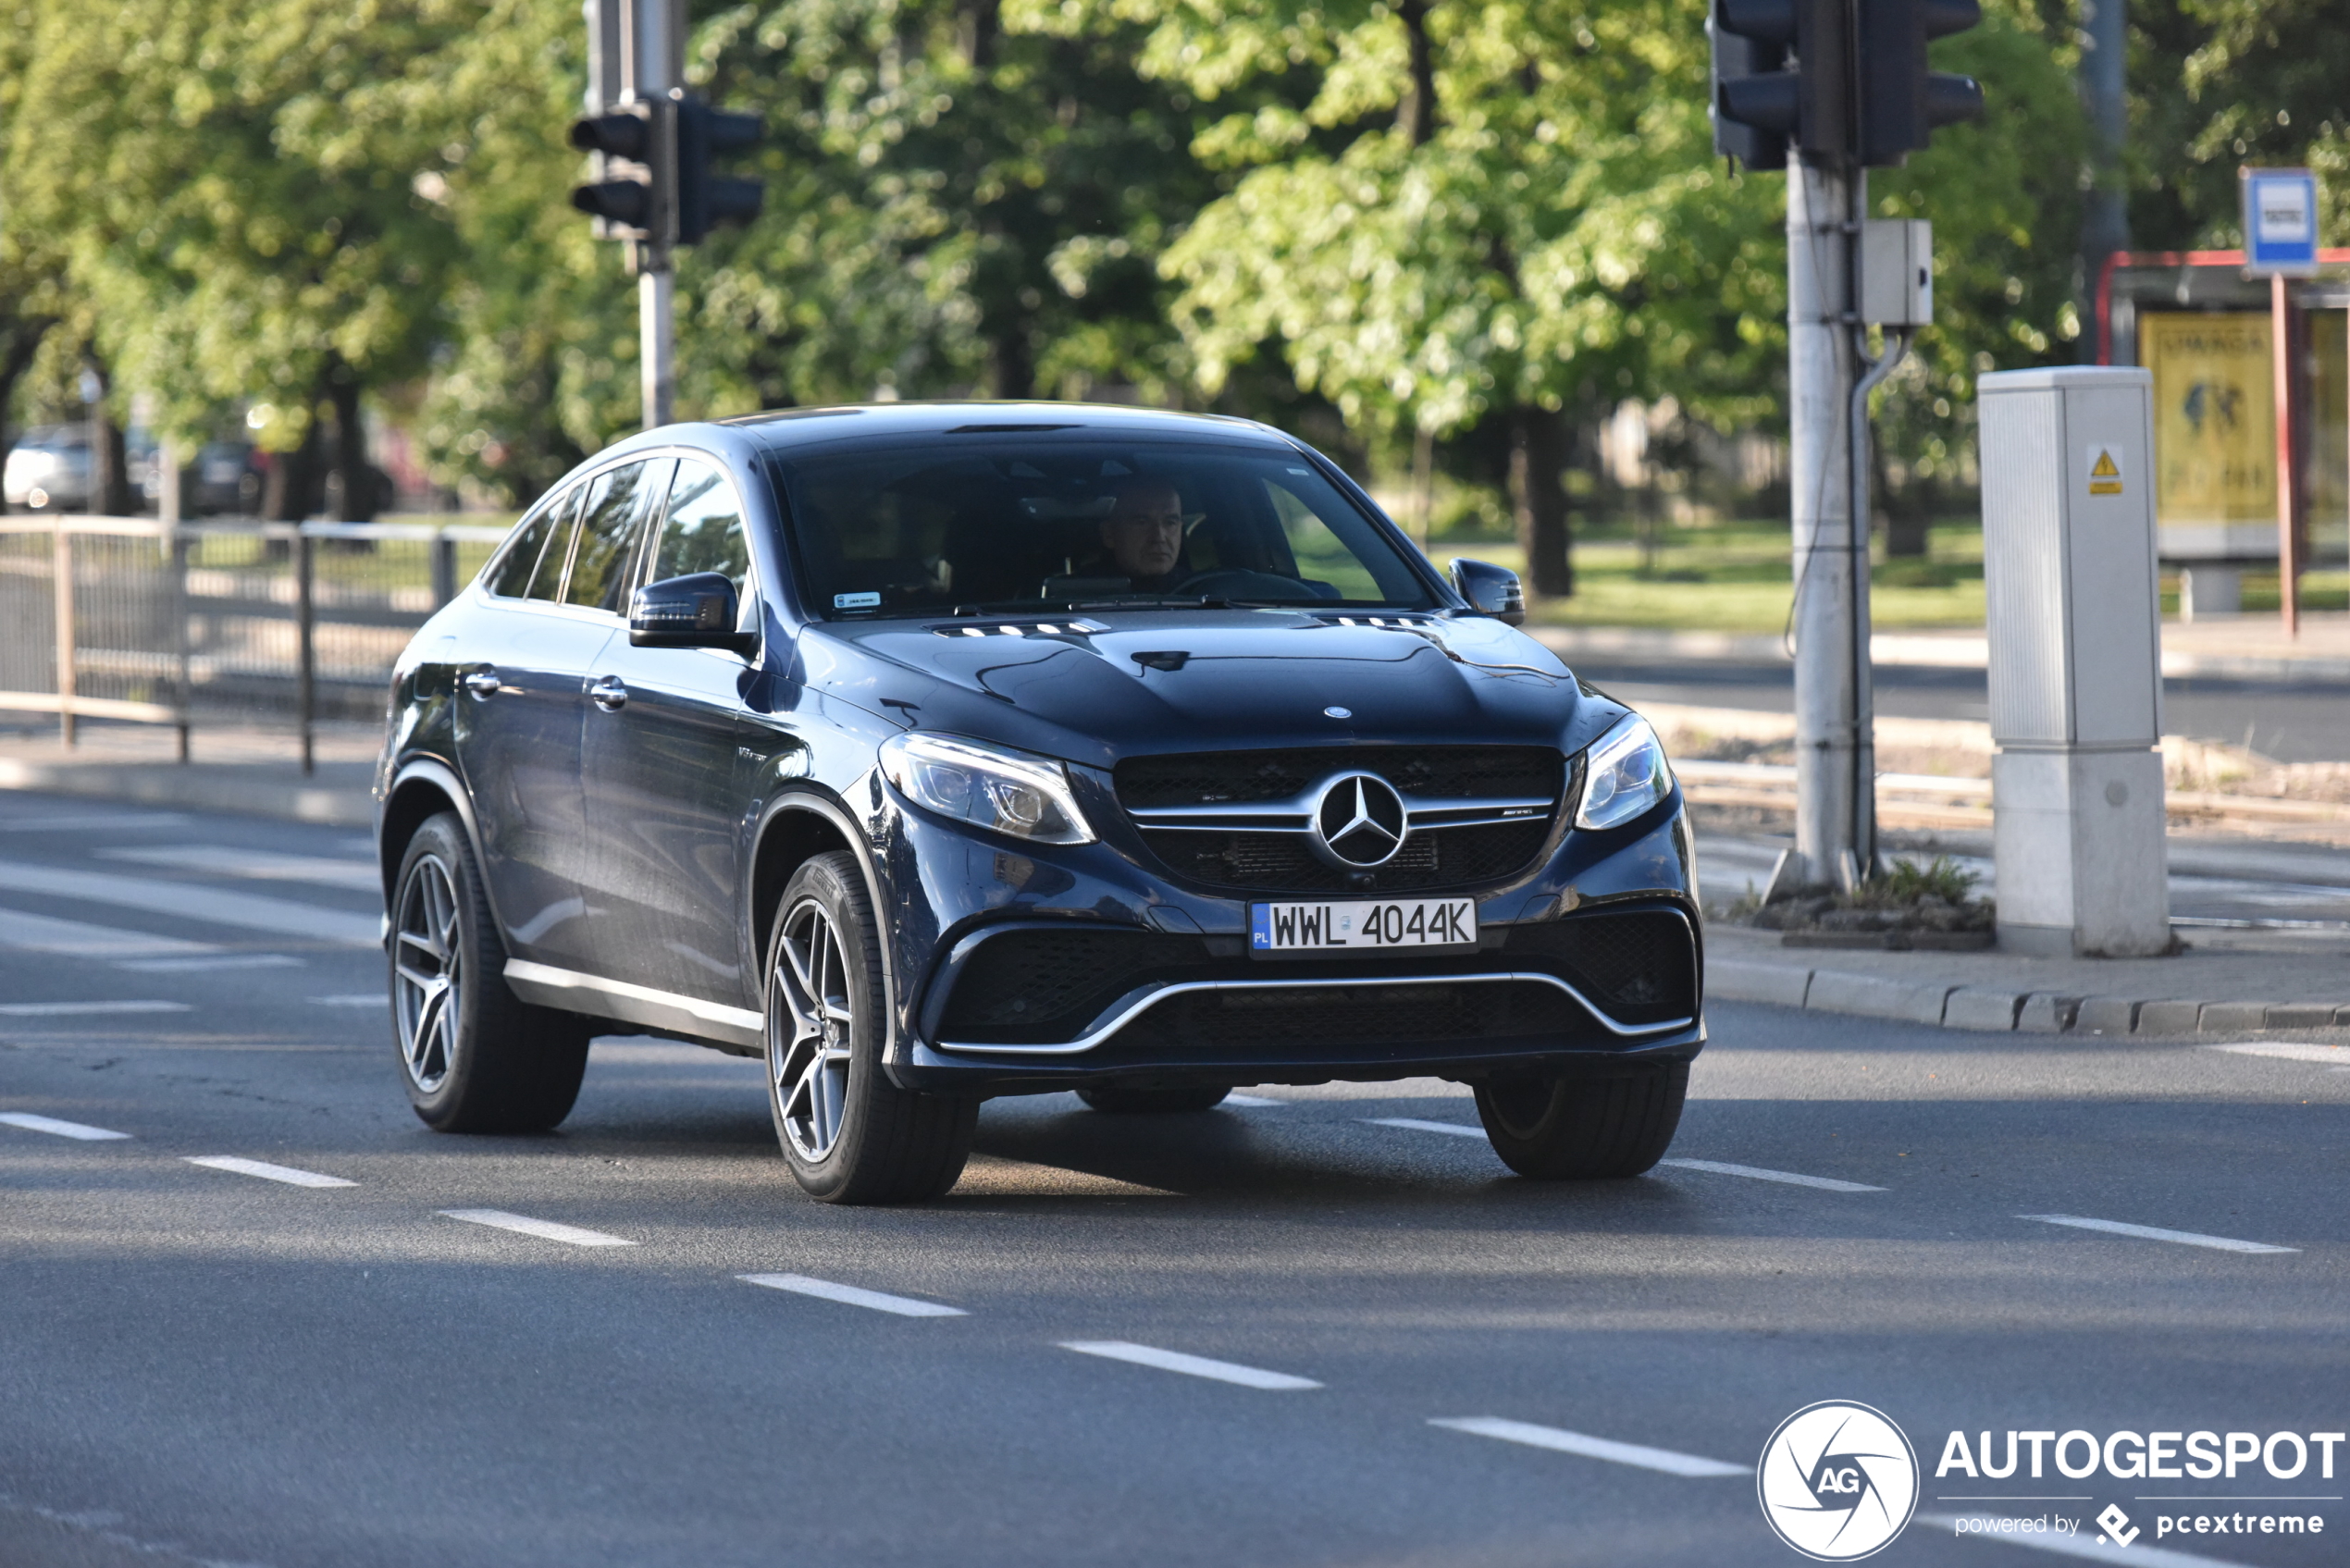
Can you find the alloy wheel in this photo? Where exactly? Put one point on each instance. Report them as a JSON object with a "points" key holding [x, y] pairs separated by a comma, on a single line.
{"points": [[810, 1024], [426, 973]]}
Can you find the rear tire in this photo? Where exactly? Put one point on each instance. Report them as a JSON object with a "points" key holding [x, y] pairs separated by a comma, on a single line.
{"points": [[851, 1135], [1119, 1100], [475, 1058], [1598, 1124]]}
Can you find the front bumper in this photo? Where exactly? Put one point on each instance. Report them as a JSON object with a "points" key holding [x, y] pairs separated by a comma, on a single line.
{"points": [[1201, 1011]]}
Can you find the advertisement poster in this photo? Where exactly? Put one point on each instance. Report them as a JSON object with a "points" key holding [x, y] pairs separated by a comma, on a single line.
{"points": [[2214, 432]]}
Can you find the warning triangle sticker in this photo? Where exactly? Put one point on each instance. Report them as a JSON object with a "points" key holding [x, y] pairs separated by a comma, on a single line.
{"points": [[2105, 472]]}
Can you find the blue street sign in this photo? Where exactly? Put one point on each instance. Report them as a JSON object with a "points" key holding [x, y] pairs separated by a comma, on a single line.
{"points": [[2280, 222]]}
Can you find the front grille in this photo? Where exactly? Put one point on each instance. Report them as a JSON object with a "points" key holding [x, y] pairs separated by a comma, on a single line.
{"points": [[1282, 862], [1639, 965], [1209, 1025], [1436, 771]]}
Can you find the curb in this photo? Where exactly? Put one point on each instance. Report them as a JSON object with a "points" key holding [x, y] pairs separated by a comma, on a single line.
{"points": [[1895, 647], [1986, 1009], [197, 786]]}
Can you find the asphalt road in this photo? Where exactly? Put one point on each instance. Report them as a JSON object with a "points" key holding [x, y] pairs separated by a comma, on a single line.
{"points": [[2288, 722], [202, 1365]]}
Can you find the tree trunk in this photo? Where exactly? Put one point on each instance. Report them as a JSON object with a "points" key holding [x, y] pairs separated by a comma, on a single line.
{"points": [[1011, 364], [1417, 114], [356, 478], [293, 490], [1538, 453], [109, 456]]}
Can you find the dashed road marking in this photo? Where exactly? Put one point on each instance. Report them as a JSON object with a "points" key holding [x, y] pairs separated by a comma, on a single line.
{"points": [[80, 939], [1252, 1102], [1559, 1440], [75, 1009], [352, 999], [257, 865], [268, 1172], [1413, 1124], [33, 1123], [546, 1229], [93, 821], [198, 966], [1757, 1173], [1192, 1365], [194, 901], [2156, 1233], [852, 1295], [2288, 1051]]}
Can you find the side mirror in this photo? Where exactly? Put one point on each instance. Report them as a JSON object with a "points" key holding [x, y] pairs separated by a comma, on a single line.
{"points": [[699, 610], [1491, 590]]}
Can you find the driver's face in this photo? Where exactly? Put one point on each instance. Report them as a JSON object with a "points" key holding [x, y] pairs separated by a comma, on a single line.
{"points": [[1144, 534]]}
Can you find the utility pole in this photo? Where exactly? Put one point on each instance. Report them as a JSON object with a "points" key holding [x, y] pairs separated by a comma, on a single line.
{"points": [[2104, 221], [652, 34]]}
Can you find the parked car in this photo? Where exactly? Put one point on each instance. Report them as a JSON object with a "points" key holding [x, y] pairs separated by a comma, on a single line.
{"points": [[48, 470], [935, 752]]}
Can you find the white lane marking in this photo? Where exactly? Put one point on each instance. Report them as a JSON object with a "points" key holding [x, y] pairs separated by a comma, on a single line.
{"points": [[1193, 1365], [2093, 1548], [257, 865], [93, 821], [354, 999], [801, 1285], [194, 901], [2156, 1233], [1755, 1172], [1252, 1102], [1560, 1441], [2285, 1050], [33, 1123], [268, 1172], [198, 966], [1414, 1124], [75, 1009], [546, 1229], [49, 934]]}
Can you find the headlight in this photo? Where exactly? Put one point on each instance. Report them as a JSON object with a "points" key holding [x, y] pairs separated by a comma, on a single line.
{"points": [[1625, 775], [1010, 792]]}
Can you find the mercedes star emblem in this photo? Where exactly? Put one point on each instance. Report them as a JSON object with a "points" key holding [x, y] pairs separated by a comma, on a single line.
{"points": [[1358, 822]]}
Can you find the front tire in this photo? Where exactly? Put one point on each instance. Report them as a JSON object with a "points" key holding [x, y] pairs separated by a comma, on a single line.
{"points": [[475, 1058], [1593, 1124], [851, 1135]]}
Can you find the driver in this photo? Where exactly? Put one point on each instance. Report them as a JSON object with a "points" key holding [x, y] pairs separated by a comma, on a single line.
{"points": [[1143, 533]]}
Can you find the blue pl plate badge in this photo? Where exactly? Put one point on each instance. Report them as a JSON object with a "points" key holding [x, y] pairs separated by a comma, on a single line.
{"points": [[1260, 931]]}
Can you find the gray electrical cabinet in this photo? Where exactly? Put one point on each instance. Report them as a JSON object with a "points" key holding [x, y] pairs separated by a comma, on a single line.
{"points": [[2075, 631]]}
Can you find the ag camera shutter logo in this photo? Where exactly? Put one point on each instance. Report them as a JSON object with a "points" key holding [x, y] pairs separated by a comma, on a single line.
{"points": [[1839, 1481]]}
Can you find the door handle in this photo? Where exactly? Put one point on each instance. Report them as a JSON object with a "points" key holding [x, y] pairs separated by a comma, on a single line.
{"points": [[482, 682], [610, 694]]}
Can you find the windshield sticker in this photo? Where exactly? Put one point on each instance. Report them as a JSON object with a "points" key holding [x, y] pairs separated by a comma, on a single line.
{"points": [[857, 602]]}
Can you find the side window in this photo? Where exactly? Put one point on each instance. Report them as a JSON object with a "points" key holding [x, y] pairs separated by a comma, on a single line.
{"points": [[511, 577], [704, 531], [607, 532]]}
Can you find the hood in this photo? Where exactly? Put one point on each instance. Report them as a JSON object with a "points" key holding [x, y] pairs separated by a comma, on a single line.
{"points": [[1209, 681]]}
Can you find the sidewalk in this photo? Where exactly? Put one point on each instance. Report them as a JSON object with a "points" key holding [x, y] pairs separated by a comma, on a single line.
{"points": [[254, 772], [2244, 647]]}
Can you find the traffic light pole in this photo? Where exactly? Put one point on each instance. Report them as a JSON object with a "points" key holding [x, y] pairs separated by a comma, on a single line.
{"points": [[1834, 754], [653, 29]]}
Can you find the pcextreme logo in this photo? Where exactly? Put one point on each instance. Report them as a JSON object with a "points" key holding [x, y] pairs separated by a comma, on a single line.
{"points": [[1839, 1481]]}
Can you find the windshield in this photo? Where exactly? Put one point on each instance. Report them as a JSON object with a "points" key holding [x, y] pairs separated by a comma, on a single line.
{"points": [[1008, 522]]}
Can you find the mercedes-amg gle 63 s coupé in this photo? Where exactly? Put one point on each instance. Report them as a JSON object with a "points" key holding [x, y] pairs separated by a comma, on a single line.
{"points": [[935, 752]]}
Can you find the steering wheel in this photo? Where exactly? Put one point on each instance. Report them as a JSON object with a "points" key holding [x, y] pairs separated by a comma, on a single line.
{"points": [[1239, 582]]}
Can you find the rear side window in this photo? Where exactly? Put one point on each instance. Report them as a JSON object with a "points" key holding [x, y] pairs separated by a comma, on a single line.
{"points": [[609, 529], [511, 578], [704, 531]]}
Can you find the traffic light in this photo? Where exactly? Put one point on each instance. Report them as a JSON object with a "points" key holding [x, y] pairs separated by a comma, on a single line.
{"points": [[1781, 80], [706, 200], [1901, 103], [624, 197]]}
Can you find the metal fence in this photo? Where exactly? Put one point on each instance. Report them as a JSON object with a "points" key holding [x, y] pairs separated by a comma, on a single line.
{"points": [[241, 623]]}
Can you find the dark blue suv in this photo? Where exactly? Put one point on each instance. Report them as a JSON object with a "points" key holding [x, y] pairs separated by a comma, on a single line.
{"points": [[940, 751]]}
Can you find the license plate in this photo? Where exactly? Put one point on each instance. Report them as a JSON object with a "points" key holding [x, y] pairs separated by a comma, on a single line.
{"points": [[1367, 926]]}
